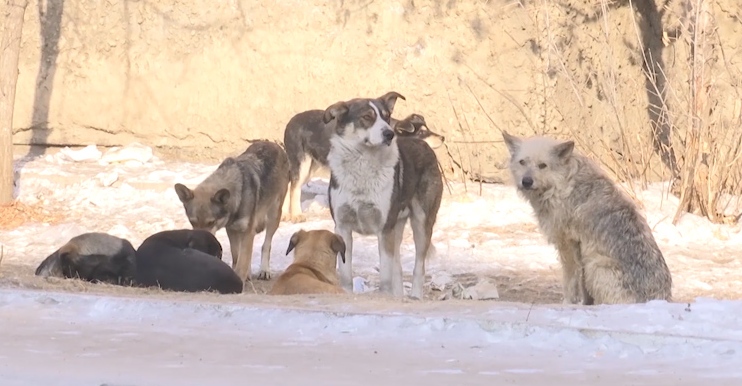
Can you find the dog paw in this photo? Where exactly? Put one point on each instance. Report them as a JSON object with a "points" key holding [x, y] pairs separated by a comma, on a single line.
{"points": [[412, 298], [299, 218], [264, 275]]}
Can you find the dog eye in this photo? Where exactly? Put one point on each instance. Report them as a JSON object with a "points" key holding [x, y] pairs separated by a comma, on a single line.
{"points": [[522, 162], [542, 166]]}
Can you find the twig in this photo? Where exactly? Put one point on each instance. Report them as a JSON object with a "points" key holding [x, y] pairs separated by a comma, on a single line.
{"points": [[461, 130], [253, 287]]}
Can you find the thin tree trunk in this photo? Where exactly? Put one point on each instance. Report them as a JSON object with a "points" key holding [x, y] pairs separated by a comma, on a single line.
{"points": [[11, 27]]}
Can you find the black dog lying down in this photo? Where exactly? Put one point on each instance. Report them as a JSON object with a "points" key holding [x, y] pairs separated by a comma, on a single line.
{"points": [[177, 260], [94, 257], [185, 260]]}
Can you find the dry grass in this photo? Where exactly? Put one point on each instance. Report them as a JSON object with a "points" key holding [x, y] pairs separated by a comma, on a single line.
{"points": [[704, 156], [692, 135], [523, 287], [17, 213]]}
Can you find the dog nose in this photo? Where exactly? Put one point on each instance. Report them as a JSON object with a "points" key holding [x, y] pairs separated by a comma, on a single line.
{"points": [[527, 182], [388, 135]]}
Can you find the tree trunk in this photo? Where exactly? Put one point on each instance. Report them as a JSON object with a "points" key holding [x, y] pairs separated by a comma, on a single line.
{"points": [[11, 27]]}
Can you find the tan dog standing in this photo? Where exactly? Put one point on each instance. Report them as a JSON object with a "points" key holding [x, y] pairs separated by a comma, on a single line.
{"points": [[314, 270]]}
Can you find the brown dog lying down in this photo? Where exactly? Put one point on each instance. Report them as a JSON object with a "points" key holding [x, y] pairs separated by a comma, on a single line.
{"points": [[314, 270]]}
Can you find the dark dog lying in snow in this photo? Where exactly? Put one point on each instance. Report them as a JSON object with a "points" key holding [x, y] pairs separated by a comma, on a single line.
{"points": [[185, 260], [93, 257]]}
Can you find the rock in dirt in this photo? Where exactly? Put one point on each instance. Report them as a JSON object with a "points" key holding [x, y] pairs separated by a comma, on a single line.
{"points": [[483, 290], [440, 280], [359, 285]]}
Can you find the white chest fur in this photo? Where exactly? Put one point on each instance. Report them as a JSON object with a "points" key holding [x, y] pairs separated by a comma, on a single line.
{"points": [[365, 183]]}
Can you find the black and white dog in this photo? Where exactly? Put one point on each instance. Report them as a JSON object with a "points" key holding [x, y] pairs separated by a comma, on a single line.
{"points": [[379, 181], [307, 143]]}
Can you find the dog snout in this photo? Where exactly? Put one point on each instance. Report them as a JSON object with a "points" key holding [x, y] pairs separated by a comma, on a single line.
{"points": [[527, 182], [388, 136]]}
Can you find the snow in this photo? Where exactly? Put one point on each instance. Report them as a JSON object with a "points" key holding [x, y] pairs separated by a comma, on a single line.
{"points": [[657, 342], [128, 192]]}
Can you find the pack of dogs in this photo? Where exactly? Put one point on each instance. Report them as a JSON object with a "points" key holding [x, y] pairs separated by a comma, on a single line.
{"points": [[384, 173]]}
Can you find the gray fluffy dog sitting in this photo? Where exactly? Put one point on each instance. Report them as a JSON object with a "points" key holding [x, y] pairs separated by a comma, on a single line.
{"points": [[606, 248]]}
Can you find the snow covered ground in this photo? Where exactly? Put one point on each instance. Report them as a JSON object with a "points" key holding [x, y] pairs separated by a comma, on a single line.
{"points": [[63, 339], [491, 235]]}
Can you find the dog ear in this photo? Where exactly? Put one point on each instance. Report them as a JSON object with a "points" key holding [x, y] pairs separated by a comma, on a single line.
{"points": [[336, 111], [338, 246], [417, 120], [405, 126], [564, 149], [390, 99], [512, 142], [184, 194], [221, 197], [294, 240]]}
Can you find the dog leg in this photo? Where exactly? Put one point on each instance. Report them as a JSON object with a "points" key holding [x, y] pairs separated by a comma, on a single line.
{"points": [[234, 245], [244, 262], [587, 299], [286, 207], [295, 205], [346, 269], [422, 235], [390, 264], [271, 225], [603, 279], [571, 271]]}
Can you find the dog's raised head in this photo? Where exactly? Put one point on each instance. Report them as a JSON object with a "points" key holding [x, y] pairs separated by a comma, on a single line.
{"points": [[363, 121], [538, 164], [317, 247], [414, 126]]}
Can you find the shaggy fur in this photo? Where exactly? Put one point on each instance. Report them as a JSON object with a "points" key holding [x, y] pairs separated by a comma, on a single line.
{"points": [[313, 270], [606, 248]]}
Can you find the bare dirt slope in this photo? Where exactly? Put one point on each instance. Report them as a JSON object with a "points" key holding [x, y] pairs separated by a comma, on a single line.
{"points": [[201, 77]]}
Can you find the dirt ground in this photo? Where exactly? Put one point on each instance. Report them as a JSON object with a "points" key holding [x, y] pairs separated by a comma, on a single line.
{"points": [[524, 289], [529, 287]]}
